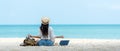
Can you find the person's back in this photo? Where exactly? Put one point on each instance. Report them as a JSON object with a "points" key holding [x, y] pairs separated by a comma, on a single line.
{"points": [[46, 33], [50, 36]]}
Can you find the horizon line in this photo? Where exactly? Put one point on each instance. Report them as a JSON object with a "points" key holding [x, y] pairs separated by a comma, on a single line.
{"points": [[61, 24]]}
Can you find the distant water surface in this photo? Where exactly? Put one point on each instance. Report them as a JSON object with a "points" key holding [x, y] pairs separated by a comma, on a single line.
{"points": [[69, 31]]}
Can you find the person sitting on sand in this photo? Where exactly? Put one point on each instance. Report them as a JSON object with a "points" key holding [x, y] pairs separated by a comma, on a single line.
{"points": [[47, 37]]}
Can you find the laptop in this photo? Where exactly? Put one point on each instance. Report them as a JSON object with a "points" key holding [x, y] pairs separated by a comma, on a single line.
{"points": [[64, 42]]}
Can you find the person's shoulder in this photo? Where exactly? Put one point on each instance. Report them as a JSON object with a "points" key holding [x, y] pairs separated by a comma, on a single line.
{"points": [[50, 28]]}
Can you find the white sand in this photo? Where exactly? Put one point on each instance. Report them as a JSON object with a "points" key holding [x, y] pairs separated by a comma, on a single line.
{"points": [[12, 44]]}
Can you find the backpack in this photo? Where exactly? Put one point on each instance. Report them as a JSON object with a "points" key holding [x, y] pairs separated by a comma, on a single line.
{"points": [[29, 41]]}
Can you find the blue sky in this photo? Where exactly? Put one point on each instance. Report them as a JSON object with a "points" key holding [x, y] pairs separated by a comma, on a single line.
{"points": [[60, 11]]}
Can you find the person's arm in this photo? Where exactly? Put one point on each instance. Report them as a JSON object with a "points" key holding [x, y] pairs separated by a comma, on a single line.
{"points": [[59, 36], [55, 36], [36, 36], [33, 36]]}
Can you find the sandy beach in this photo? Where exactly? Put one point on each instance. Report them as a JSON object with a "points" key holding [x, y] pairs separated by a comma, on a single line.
{"points": [[12, 44]]}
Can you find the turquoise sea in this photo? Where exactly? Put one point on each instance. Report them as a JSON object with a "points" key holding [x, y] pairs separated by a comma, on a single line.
{"points": [[100, 31]]}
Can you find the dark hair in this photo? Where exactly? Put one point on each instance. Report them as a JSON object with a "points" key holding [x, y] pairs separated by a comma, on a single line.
{"points": [[44, 29]]}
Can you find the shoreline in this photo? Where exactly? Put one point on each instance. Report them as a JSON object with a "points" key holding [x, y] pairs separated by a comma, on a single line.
{"points": [[12, 44]]}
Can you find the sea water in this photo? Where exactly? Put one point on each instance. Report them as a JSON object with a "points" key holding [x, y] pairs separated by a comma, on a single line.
{"points": [[68, 31]]}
